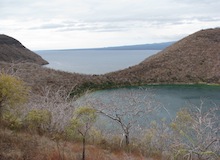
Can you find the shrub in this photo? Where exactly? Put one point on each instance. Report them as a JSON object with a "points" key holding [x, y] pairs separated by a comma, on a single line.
{"points": [[12, 121], [38, 120], [95, 136], [83, 120], [196, 134], [13, 91]]}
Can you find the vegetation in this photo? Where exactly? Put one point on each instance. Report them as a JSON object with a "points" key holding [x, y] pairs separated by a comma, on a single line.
{"points": [[13, 91], [197, 64], [84, 118], [50, 94], [127, 115], [12, 121], [191, 135], [38, 120], [196, 134]]}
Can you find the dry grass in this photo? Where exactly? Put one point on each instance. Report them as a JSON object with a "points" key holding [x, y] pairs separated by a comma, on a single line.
{"points": [[19, 146]]}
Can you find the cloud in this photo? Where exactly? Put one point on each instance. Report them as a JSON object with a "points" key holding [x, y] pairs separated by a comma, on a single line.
{"points": [[104, 22], [68, 25]]}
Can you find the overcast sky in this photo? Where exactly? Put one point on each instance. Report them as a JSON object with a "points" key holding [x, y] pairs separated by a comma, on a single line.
{"points": [[59, 24]]}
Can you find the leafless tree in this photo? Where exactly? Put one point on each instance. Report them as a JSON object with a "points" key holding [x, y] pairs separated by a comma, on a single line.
{"points": [[197, 133], [129, 108], [57, 102]]}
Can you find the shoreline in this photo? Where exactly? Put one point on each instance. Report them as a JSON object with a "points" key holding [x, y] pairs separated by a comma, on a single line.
{"points": [[201, 85]]}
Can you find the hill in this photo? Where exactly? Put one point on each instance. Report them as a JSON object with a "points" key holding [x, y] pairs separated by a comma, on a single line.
{"points": [[194, 59], [11, 50]]}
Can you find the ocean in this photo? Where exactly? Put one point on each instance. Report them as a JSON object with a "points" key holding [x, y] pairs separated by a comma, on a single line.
{"points": [[94, 61]]}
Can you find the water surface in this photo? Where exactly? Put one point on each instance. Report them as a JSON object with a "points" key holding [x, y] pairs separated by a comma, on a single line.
{"points": [[164, 100], [94, 61]]}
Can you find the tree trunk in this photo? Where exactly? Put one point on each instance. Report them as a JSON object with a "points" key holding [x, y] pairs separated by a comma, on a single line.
{"points": [[84, 148], [1, 109], [127, 139]]}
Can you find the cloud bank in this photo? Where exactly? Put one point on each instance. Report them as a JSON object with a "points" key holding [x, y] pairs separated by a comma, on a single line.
{"points": [[99, 23]]}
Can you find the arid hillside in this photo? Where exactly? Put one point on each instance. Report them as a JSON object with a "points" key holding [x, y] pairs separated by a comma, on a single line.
{"points": [[194, 59], [12, 50]]}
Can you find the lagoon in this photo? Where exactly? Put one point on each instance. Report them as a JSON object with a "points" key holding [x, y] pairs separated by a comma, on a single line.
{"points": [[166, 99]]}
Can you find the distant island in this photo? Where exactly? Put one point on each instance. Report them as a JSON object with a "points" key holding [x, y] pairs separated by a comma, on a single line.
{"points": [[152, 46]]}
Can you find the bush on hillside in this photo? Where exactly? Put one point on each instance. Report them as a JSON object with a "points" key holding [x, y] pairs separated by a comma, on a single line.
{"points": [[13, 92], [38, 120]]}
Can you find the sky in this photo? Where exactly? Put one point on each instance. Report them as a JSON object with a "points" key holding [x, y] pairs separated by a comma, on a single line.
{"points": [[72, 24]]}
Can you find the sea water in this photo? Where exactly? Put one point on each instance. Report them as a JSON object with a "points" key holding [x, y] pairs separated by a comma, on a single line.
{"points": [[93, 61]]}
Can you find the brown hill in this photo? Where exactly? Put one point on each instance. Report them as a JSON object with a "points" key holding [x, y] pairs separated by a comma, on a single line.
{"points": [[12, 50], [194, 59]]}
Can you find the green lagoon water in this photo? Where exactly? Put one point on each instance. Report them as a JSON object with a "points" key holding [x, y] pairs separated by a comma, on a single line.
{"points": [[168, 99], [172, 97]]}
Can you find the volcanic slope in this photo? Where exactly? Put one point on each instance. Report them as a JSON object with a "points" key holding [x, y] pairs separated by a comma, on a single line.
{"points": [[11, 50], [194, 59]]}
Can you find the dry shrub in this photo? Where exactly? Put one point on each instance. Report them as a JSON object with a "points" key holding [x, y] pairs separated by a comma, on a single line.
{"points": [[17, 146], [94, 153], [114, 145]]}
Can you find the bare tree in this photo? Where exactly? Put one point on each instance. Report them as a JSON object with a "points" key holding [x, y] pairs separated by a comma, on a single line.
{"points": [[55, 101], [197, 133], [129, 108]]}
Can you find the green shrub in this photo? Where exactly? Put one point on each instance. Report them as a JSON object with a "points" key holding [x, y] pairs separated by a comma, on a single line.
{"points": [[13, 91], [83, 120], [38, 120], [12, 121], [72, 134]]}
